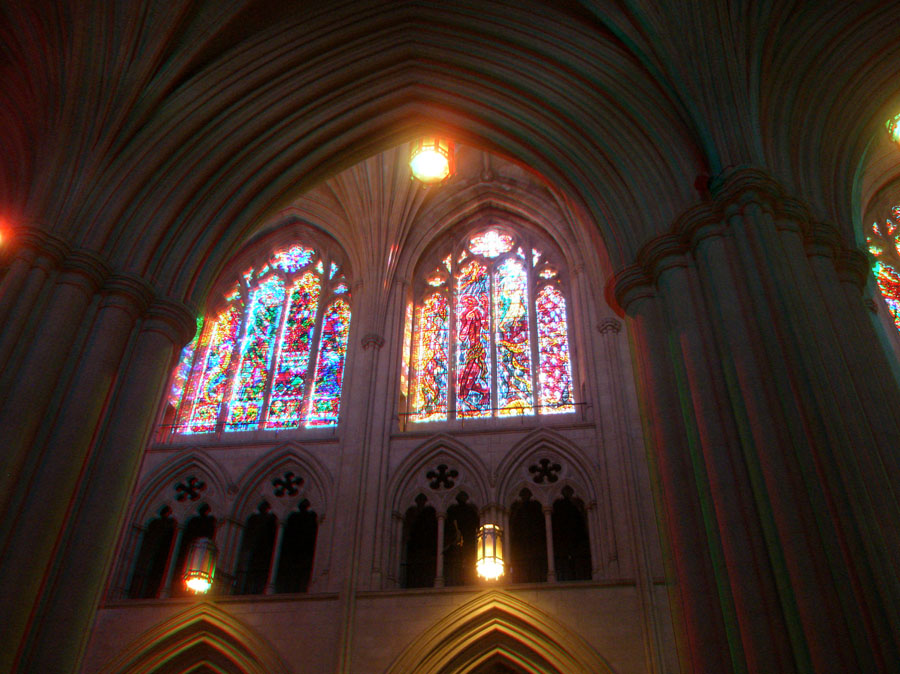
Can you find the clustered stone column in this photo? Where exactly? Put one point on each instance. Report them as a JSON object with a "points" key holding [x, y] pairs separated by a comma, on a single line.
{"points": [[85, 355], [774, 431]]}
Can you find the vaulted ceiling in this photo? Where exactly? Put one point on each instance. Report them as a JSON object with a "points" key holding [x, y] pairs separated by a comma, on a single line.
{"points": [[164, 134]]}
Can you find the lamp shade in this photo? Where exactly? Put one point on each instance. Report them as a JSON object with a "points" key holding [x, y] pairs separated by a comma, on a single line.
{"points": [[200, 566], [489, 560], [431, 159]]}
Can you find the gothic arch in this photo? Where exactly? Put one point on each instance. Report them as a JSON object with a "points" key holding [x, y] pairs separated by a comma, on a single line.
{"points": [[496, 624], [254, 485], [514, 202], [203, 635], [410, 474], [159, 490], [257, 152], [576, 471]]}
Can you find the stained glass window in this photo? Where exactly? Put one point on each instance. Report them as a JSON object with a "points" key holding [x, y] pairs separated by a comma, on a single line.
{"points": [[884, 246], [273, 358], [492, 339]]}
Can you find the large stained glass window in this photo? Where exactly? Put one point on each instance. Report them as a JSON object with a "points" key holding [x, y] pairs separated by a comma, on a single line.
{"points": [[273, 358], [884, 245], [489, 333]]}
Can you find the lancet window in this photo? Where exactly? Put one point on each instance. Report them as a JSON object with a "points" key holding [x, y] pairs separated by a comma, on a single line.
{"points": [[273, 357], [488, 333], [883, 240]]}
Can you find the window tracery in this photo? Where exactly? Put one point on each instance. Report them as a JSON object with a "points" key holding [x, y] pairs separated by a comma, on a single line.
{"points": [[883, 241], [273, 358], [489, 333]]}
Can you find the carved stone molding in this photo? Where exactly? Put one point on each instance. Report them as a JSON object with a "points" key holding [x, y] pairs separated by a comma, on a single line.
{"points": [[175, 320], [609, 326], [853, 267], [733, 191], [31, 241], [84, 268], [823, 239], [372, 339], [128, 292]]}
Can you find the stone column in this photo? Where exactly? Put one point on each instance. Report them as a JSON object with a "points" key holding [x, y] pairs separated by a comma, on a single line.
{"points": [[548, 529], [34, 380], [37, 256], [757, 444], [71, 591]]}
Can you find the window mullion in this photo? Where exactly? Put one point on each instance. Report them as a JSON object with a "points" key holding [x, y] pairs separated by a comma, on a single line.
{"points": [[452, 346], [233, 365], [276, 352], [492, 323], [325, 298], [189, 379], [534, 337]]}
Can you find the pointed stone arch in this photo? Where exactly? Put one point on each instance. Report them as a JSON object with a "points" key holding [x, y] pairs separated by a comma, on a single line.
{"points": [[255, 485], [158, 488], [201, 637], [499, 626], [517, 204], [440, 448], [577, 471]]}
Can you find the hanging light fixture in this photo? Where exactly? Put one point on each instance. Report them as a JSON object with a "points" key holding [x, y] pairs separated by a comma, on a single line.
{"points": [[431, 159], [201, 565], [893, 127], [489, 560]]}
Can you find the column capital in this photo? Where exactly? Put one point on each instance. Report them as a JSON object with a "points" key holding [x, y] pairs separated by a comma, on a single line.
{"points": [[372, 339], [35, 240], [853, 267], [128, 292], [730, 194], [84, 268], [823, 239], [173, 319], [609, 326]]}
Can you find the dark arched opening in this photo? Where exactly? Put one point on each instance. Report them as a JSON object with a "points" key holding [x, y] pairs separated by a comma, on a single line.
{"points": [[460, 532], [571, 545], [528, 540], [255, 556], [298, 549], [419, 545], [150, 567]]}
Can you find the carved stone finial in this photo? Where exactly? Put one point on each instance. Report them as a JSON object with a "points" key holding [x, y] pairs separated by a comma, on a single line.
{"points": [[372, 339], [613, 325]]}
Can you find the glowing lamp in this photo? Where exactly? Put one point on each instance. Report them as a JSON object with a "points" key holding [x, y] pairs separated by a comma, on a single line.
{"points": [[489, 560], [431, 159], [201, 566], [893, 127]]}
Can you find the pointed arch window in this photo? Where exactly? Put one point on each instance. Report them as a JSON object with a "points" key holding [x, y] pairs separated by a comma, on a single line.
{"points": [[883, 241], [489, 333], [273, 357]]}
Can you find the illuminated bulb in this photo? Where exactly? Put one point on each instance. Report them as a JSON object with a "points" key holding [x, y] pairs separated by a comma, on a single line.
{"points": [[430, 160], [489, 558], [198, 585], [489, 569], [893, 127], [201, 566]]}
